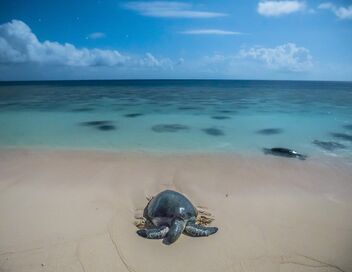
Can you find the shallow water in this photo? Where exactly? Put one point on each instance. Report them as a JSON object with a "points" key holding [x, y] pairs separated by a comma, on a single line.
{"points": [[185, 116]]}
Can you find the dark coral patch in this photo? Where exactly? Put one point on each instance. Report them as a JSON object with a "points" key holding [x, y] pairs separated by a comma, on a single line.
{"points": [[189, 108], [226, 111], [10, 104], [329, 145], [133, 115], [269, 131], [83, 110], [348, 127], [96, 123], [220, 117], [169, 128], [213, 131], [342, 136], [165, 105], [106, 127]]}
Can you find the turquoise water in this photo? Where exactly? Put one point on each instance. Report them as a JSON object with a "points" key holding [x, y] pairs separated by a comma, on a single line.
{"points": [[185, 116]]}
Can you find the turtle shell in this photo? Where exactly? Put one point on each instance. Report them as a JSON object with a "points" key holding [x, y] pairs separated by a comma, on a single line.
{"points": [[167, 205]]}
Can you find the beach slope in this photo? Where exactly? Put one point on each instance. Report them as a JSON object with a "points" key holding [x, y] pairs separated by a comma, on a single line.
{"points": [[75, 211]]}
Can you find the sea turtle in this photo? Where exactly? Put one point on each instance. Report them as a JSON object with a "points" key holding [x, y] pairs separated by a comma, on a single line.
{"points": [[171, 213]]}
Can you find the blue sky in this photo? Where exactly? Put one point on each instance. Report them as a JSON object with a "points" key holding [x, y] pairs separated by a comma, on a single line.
{"points": [[238, 39]]}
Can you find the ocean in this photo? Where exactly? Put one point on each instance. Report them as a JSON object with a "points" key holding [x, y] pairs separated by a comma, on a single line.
{"points": [[314, 118]]}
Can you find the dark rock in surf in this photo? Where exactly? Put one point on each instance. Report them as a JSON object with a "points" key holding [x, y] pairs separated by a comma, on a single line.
{"points": [[342, 136], [133, 115], [349, 127], [83, 110], [284, 152], [220, 117], [270, 131], [169, 128], [106, 127], [329, 145], [96, 123], [213, 131]]}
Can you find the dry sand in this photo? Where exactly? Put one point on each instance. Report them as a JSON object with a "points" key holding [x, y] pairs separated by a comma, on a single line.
{"points": [[74, 211]]}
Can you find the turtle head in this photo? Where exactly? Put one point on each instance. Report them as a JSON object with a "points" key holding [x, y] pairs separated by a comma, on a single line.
{"points": [[176, 229]]}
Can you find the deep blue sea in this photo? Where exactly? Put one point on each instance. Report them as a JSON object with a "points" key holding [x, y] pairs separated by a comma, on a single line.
{"points": [[315, 118]]}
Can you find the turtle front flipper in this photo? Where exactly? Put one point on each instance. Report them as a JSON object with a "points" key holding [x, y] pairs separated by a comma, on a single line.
{"points": [[154, 233], [195, 230]]}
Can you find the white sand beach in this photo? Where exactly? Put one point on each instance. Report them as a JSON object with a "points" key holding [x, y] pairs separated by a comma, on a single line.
{"points": [[75, 211]]}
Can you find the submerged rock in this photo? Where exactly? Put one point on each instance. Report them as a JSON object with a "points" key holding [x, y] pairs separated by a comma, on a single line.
{"points": [[213, 131], [106, 127], [329, 145], [226, 111], [343, 136], [133, 115], [348, 126], [220, 117], [269, 131], [189, 108], [83, 109], [169, 128], [96, 123]]}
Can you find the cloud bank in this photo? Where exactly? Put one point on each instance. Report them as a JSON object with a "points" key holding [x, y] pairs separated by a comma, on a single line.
{"points": [[260, 62], [343, 13], [169, 9], [289, 57], [19, 45], [278, 8], [151, 61], [24, 56]]}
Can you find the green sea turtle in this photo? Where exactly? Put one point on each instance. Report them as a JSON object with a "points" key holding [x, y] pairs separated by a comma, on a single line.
{"points": [[171, 213]]}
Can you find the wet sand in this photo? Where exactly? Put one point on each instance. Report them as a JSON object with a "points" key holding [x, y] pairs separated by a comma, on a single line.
{"points": [[75, 211]]}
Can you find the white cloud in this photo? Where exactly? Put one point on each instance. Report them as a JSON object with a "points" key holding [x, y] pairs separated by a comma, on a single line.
{"points": [[287, 57], [210, 32], [340, 12], [169, 9], [258, 62], [151, 61], [18, 44], [277, 8], [96, 35]]}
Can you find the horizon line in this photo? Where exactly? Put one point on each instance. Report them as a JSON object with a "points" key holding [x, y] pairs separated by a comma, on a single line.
{"points": [[173, 79]]}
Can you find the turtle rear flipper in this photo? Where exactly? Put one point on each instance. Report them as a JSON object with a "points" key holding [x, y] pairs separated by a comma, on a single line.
{"points": [[154, 233], [195, 230], [176, 229]]}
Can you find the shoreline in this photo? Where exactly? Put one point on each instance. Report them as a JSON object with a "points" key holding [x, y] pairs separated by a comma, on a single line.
{"points": [[70, 210], [317, 158]]}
